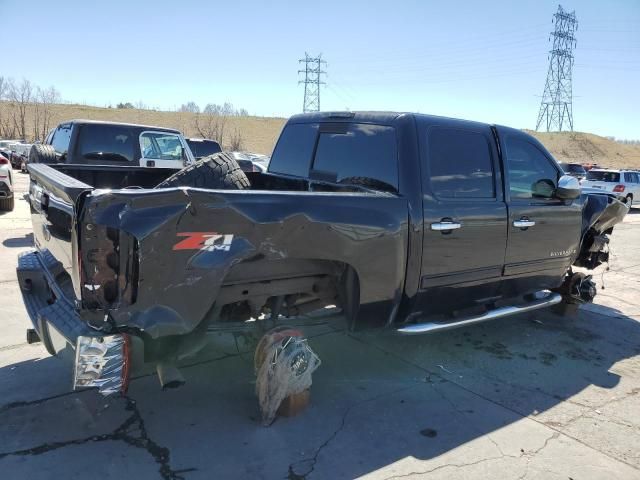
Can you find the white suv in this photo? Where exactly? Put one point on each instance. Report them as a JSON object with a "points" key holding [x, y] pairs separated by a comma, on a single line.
{"points": [[6, 185], [624, 183]]}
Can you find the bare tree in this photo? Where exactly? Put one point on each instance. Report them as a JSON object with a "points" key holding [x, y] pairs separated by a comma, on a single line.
{"points": [[236, 141], [3, 91], [191, 107], [46, 98], [21, 97]]}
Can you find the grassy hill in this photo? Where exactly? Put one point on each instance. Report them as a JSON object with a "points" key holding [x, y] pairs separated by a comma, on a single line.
{"points": [[581, 147], [260, 133]]}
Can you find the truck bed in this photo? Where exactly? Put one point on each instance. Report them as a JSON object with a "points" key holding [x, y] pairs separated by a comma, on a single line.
{"points": [[160, 261]]}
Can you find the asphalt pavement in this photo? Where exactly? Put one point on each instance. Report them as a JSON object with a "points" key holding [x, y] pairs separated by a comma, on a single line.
{"points": [[535, 397]]}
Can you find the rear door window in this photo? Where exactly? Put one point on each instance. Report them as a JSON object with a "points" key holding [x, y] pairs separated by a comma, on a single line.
{"points": [[460, 164], [293, 152], [358, 153], [106, 144]]}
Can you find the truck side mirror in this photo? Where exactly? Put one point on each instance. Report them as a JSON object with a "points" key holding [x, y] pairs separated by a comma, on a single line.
{"points": [[568, 188]]}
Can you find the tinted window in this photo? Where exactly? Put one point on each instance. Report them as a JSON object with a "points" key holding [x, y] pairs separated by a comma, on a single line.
{"points": [[460, 164], [203, 148], [61, 137], [293, 152], [600, 176], [108, 143], [531, 173], [360, 150]]}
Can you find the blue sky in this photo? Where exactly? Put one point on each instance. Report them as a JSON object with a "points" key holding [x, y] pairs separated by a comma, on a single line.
{"points": [[483, 61]]}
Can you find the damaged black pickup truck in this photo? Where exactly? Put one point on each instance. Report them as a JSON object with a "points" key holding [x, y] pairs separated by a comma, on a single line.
{"points": [[410, 222]]}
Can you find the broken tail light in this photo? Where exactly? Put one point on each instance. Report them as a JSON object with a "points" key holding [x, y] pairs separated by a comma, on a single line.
{"points": [[618, 188], [103, 363]]}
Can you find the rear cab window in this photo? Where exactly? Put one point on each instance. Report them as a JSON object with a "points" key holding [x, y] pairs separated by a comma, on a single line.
{"points": [[105, 144], [348, 153]]}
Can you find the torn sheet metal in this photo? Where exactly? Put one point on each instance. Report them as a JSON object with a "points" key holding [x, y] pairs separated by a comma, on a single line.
{"points": [[284, 364]]}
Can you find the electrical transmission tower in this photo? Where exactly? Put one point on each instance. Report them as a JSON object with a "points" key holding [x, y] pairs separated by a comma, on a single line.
{"points": [[312, 81], [556, 108]]}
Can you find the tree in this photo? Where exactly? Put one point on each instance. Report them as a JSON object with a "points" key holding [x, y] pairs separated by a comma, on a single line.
{"points": [[191, 107], [21, 96], [236, 141], [125, 105]]}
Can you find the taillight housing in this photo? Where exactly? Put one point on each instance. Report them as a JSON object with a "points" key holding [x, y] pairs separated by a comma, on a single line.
{"points": [[618, 188], [3, 161]]}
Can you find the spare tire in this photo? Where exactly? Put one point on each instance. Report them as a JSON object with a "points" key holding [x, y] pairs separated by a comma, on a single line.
{"points": [[218, 171], [40, 153]]}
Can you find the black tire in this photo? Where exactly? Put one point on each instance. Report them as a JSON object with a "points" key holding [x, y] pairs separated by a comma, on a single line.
{"points": [[218, 171], [629, 200], [40, 153], [7, 204]]}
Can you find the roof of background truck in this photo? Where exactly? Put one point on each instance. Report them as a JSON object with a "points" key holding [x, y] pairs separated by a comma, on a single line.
{"points": [[81, 121]]}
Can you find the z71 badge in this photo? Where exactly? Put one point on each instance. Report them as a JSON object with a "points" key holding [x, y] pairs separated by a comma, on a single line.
{"points": [[207, 241]]}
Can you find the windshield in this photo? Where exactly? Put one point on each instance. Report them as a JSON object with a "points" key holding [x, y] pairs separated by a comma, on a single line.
{"points": [[603, 176], [203, 148]]}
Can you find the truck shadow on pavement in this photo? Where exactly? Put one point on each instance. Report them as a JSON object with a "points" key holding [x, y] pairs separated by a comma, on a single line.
{"points": [[19, 242], [377, 400]]}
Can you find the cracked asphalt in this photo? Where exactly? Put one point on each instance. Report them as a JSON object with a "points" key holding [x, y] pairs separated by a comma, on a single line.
{"points": [[536, 397]]}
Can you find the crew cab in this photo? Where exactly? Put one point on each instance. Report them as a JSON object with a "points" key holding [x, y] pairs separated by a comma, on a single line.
{"points": [[399, 219], [92, 142]]}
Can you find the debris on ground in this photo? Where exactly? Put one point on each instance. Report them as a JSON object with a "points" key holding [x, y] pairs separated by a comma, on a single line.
{"points": [[284, 364]]}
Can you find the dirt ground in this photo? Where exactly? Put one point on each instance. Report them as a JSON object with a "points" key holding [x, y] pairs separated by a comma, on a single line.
{"points": [[536, 397]]}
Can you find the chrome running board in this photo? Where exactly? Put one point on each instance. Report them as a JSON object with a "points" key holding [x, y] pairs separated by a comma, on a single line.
{"points": [[429, 327]]}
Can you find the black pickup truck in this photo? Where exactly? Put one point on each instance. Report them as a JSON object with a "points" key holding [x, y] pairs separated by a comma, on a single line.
{"points": [[411, 222]]}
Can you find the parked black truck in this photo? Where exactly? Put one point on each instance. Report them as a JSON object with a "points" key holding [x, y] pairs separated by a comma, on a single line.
{"points": [[413, 222]]}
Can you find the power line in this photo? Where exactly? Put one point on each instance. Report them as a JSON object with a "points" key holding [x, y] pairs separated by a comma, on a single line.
{"points": [[312, 81], [556, 107]]}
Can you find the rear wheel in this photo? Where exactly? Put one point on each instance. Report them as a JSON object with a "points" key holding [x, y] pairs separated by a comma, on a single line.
{"points": [[218, 171], [7, 204]]}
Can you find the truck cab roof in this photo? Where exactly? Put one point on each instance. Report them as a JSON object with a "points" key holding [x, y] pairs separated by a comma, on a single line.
{"points": [[122, 124]]}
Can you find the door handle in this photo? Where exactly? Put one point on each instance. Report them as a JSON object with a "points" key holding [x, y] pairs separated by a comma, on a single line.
{"points": [[445, 225], [523, 223]]}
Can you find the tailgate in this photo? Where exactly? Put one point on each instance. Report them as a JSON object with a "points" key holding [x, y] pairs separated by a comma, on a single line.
{"points": [[52, 197]]}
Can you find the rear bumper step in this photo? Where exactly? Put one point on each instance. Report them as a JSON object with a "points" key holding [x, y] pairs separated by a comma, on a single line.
{"points": [[52, 320], [430, 327]]}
